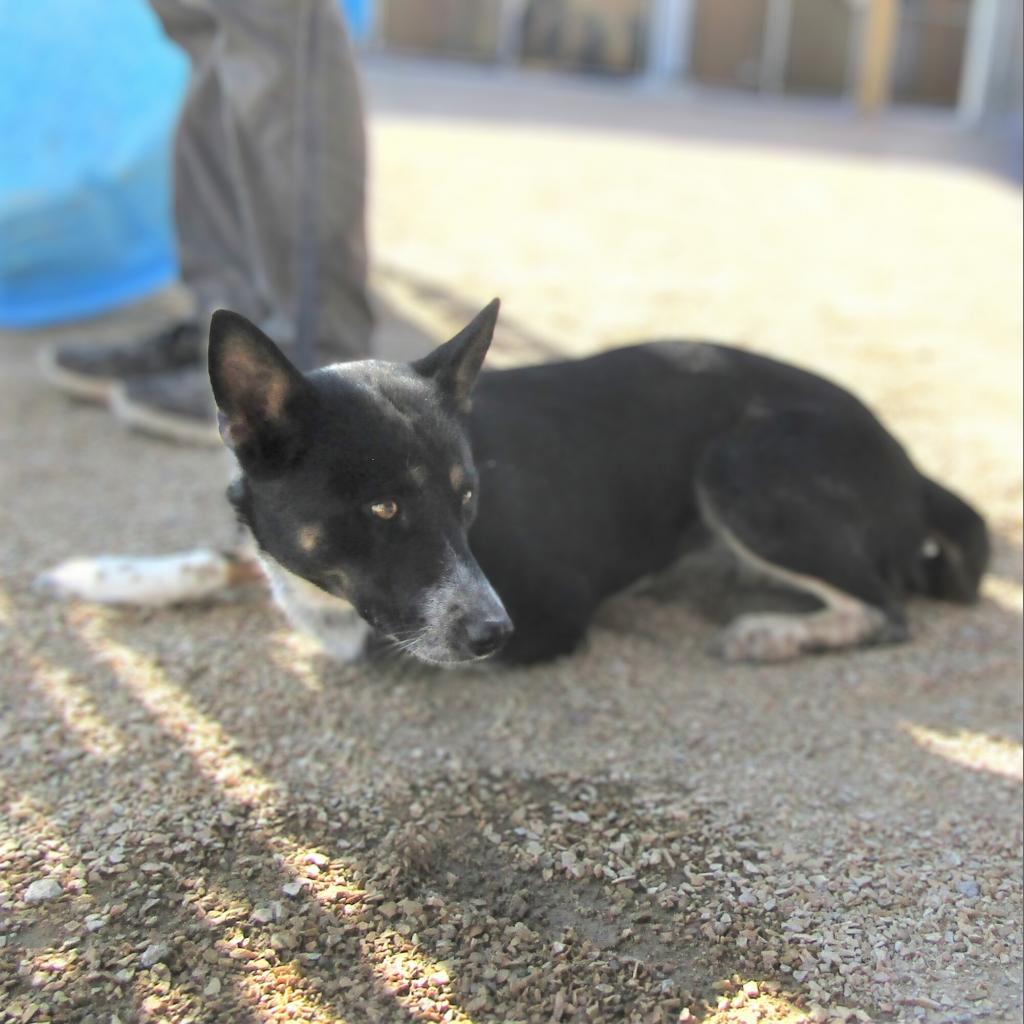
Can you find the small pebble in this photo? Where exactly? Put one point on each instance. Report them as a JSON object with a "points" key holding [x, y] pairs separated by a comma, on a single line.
{"points": [[155, 954], [42, 890]]}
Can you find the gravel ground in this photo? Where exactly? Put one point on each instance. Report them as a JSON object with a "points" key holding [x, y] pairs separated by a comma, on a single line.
{"points": [[204, 821]]}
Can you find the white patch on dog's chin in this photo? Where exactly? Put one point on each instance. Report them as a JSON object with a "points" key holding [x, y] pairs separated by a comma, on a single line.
{"points": [[459, 587], [330, 620]]}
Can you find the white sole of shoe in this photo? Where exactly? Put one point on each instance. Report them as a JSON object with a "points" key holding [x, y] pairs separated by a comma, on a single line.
{"points": [[76, 385], [162, 424]]}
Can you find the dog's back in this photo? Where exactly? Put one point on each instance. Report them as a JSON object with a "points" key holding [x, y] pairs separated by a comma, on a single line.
{"points": [[595, 473]]}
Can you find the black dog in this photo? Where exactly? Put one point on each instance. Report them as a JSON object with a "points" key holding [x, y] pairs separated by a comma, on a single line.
{"points": [[459, 528]]}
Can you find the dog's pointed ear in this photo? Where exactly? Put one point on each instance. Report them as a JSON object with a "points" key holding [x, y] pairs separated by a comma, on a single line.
{"points": [[264, 404], [454, 366]]}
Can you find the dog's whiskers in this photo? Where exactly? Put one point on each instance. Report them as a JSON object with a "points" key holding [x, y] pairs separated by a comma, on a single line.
{"points": [[407, 641]]}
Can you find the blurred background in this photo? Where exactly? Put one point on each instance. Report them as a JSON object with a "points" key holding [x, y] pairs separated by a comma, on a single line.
{"points": [[90, 90]]}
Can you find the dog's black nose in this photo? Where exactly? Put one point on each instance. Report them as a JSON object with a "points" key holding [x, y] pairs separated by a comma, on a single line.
{"points": [[485, 636]]}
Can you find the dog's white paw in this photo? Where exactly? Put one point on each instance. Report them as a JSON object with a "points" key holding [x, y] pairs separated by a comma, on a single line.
{"points": [[172, 579], [766, 638]]}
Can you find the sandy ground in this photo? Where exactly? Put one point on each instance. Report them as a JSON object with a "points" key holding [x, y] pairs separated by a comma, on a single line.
{"points": [[238, 830]]}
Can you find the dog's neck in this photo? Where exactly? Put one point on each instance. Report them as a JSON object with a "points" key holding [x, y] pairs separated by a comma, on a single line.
{"points": [[330, 620]]}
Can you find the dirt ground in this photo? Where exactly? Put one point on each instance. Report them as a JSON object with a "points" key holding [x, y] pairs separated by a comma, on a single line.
{"points": [[205, 821]]}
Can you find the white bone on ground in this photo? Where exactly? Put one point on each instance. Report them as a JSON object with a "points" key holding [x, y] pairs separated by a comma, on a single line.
{"points": [[170, 579]]}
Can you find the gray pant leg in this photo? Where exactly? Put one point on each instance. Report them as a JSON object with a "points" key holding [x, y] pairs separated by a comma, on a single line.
{"points": [[270, 168]]}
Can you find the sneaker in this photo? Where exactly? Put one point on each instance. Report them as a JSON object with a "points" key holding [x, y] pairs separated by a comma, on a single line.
{"points": [[175, 406], [92, 372]]}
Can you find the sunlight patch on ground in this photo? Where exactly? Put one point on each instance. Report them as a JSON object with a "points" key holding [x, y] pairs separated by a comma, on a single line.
{"points": [[72, 702], [421, 985], [76, 708], [210, 747], [160, 1000], [748, 1002], [972, 750], [270, 988], [27, 825], [1006, 593], [296, 654], [40, 969]]}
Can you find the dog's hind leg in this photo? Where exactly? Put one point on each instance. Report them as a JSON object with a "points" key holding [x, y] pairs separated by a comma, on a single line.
{"points": [[802, 502], [843, 621]]}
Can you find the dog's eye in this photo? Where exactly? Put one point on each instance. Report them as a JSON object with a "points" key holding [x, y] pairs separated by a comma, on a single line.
{"points": [[384, 509], [467, 497]]}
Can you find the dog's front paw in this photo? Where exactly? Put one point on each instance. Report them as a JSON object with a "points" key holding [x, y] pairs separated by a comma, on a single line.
{"points": [[762, 638], [154, 582]]}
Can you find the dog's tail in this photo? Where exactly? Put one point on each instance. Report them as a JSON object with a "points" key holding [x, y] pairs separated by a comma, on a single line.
{"points": [[957, 550]]}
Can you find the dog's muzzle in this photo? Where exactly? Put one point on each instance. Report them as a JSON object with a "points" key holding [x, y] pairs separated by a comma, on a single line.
{"points": [[466, 615]]}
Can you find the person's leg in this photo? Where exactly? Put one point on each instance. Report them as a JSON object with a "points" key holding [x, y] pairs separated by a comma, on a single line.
{"points": [[269, 190], [270, 167]]}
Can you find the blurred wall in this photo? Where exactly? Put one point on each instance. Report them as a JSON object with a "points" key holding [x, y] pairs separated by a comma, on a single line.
{"points": [[452, 28], [930, 51], [586, 35], [728, 41], [822, 47], [787, 46]]}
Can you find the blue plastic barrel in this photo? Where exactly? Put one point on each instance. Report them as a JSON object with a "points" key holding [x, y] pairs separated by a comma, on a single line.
{"points": [[89, 94]]}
